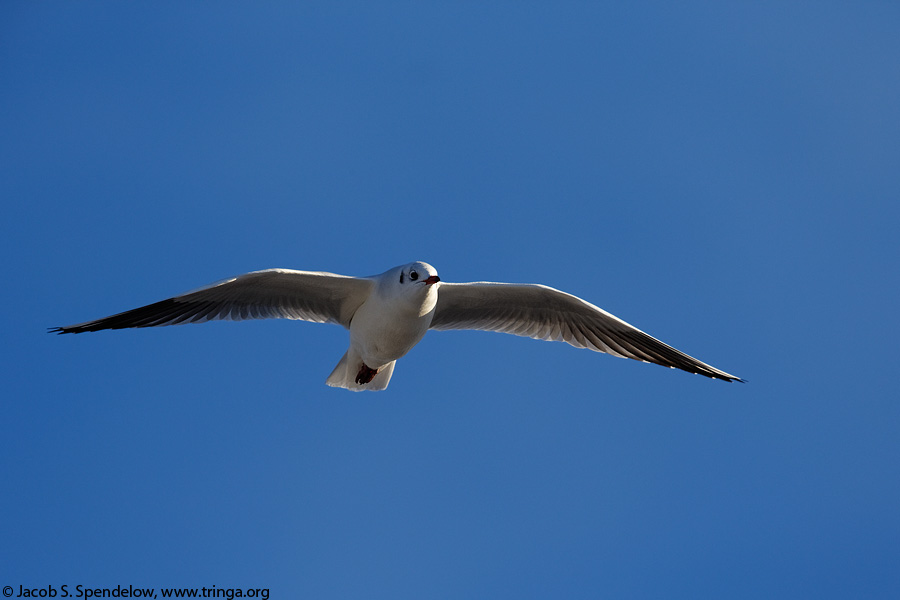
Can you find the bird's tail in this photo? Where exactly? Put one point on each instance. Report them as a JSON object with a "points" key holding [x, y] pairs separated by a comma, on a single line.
{"points": [[346, 372]]}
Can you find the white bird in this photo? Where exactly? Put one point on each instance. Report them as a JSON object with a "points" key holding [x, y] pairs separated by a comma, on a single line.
{"points": [[388, 314]]}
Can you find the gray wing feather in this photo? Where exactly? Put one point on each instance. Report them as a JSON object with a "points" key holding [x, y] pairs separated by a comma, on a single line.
{"points": [[544, 313], [269, 294]]}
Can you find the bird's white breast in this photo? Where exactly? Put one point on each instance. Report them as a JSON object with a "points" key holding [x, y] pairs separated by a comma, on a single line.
{"points": [[384, 329]]}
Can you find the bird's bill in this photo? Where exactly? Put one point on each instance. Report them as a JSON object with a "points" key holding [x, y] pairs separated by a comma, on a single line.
{"points": [[432, 280]]}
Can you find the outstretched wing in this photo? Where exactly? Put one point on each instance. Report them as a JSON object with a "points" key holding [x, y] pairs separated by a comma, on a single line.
{"points": [[269, 294], [544, 313]]}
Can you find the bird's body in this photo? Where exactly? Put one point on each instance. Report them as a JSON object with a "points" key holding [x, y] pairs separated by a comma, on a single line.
{"points": [[392, 320], [390, 313]]}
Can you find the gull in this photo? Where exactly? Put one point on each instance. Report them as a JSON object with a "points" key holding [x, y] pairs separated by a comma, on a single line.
{"points": [[390, 313]]}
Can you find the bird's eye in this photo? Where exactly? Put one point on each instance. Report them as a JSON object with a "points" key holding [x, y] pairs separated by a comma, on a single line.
{"points": [[413, 275]]}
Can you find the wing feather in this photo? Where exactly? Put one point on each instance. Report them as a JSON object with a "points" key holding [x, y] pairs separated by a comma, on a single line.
{"points": [[541, 312], [269, 294]]}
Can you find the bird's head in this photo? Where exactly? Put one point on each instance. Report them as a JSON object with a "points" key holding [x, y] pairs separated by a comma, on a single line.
{"points": [[417, 275], [415, 281]]}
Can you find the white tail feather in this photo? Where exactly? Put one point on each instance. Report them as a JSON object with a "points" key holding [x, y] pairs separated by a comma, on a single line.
{"points": [[344, 374]]}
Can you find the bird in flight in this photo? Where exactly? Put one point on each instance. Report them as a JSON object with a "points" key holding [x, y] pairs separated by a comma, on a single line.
{"points": [[388, 314]]}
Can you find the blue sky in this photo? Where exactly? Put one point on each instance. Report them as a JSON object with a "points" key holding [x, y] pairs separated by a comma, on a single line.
{"points": [[722, 175]]}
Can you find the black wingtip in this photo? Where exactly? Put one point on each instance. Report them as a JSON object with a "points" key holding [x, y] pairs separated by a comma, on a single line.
{"points": [[728, 379], [62, 330]]}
